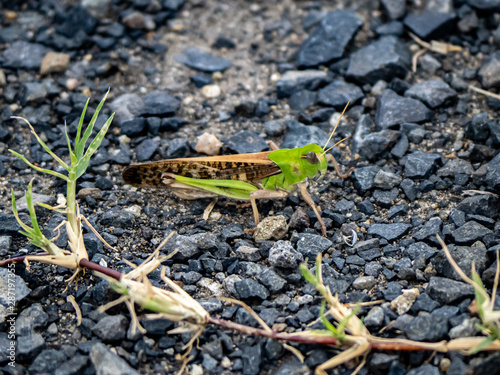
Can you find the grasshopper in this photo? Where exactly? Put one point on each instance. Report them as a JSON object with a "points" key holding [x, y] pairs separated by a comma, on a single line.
{"points": [[260, 175]]}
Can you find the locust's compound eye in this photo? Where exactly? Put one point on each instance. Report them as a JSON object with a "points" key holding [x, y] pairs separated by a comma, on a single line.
{"points": [[312, 157]]}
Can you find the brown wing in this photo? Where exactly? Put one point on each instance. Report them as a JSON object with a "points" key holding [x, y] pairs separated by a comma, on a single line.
{"points": [[244, 167]]}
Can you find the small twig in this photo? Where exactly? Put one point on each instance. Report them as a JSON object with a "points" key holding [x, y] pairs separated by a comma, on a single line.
{"points": [[484, 92], [78, 312]]}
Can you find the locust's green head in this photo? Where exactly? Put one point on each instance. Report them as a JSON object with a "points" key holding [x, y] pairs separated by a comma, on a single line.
{"points": [[313, 160], [298, 163]]}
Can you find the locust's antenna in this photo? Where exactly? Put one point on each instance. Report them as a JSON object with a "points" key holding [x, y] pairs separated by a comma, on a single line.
{"points": [[335, 128], [339, 142]]}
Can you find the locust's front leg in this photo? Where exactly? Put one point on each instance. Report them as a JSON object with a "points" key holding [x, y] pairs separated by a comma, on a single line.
{"points": [[264, 194], [307, 197]]}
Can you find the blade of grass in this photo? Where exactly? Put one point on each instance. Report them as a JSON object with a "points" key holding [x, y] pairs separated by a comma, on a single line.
{"points": [[42, 143], [72, 155], [31, 208], [90, 127], [43, 170], [94, 145], [78, 146]]}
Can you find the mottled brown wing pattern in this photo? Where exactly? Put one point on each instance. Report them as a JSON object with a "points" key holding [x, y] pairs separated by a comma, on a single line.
{"points": [[253, 167]]}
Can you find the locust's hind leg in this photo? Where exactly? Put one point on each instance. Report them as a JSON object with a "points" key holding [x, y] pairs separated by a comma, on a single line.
{"points": [[307, 197], [336, 166], [264, 194]]}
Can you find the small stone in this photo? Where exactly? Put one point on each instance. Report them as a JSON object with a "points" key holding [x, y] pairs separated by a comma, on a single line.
{"points": [[21, 290], [75, 365], [338, 93], [329, 40], [54, 62], [393, 289], [302, 100], [272, 281], [446, 291], [249, 288], [431, 327], [159, 103], [186, 247], [29, 346], [374, 318], [493, 174], [47, 361], [420, 164], [386, 198], [310, 245], [248, 253], [201, 79], [211, 91], [23, 55], [390, 232], [364, 283], [300, 135], [364, 177], [468, 328], [146, 149], [395, 9], [454, 167], [296, 80], [395, 28], [262, 108], [394, 110], [96, 7], [31, 318], [126, 107], [433, 93], [202, 61], [247, 141], [490, 71], [35, 92], [283, 255], [208, 144], [177, 148], [383, 59], [273, 227], [429, 229], [386, 180], [274, 128], [90, 192], [106, 362], [252, 358], [430, 25], [470, 232], [139, 21], [133, 127], [403, 303], [111, 328], [409, 188], [419, 250], [481, 204]]}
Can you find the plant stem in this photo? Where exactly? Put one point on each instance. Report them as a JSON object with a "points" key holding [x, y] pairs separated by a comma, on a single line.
{"points": [[85, 263], [71, 202], [309, 339]]}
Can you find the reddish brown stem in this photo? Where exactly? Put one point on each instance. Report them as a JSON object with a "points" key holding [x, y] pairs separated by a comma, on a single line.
{"points": [[83, 263], [402, 347], [6, 262], [97, 267], [326, 340]]}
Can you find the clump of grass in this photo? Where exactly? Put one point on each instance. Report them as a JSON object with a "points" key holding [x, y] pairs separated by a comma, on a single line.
{"points": [[79, 160]]}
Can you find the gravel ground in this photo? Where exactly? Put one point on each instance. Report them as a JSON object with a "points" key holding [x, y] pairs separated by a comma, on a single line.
{"points": [[425, 148]]}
